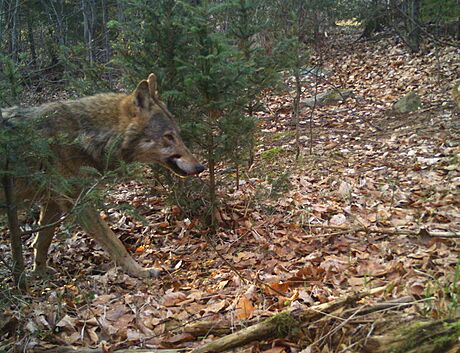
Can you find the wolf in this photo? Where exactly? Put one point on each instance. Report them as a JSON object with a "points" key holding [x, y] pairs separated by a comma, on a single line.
{"points": [[136, 127]]}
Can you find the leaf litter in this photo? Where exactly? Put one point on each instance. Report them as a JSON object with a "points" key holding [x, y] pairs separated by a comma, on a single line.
{"points": [[290, 225]]}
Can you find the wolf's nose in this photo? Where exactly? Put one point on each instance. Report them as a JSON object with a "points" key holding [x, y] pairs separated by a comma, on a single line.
{"points": [[199, 168]]}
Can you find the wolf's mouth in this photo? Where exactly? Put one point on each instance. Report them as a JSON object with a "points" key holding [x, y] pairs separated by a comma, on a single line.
{"points": [[171, 164]]}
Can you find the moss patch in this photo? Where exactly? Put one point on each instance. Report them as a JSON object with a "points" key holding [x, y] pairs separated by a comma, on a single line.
{"points": [[272, 153], [432, 337], [281, 135], [285, 324]]}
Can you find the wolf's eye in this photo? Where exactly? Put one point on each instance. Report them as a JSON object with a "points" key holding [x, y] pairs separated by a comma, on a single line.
{"points": [[169, 137]]}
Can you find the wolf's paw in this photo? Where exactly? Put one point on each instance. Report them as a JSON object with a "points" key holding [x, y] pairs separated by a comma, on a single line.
{"points": [[43, 272], [150, 272], [156, 272]]}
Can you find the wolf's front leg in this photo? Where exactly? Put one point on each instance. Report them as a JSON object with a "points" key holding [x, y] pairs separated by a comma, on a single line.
{"points": [[100, 231], [49, 214]]}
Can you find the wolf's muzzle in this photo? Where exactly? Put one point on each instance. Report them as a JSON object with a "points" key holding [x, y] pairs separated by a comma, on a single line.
{"points": [[176, 165], [199, 168]]}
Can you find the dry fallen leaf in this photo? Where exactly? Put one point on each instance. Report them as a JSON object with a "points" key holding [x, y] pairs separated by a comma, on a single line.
{"points": [[173, 298], [216, 306], [177, 339], [244, 308]]}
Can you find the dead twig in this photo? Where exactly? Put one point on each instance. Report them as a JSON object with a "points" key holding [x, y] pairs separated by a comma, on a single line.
{"points": [[71, 349], [389, 231], [233, 268], [282, 324]]}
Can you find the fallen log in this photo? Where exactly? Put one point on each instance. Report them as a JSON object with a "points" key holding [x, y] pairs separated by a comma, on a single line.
{"points": [[75, 349], [286, 323], [225, 327], [389, 231], [419, 336], [204, 328]]}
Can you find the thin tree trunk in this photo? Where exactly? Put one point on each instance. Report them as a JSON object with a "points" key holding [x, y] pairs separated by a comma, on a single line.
{"points": [[14, 31], [212, 180], [14, 230], [56, 14], [88, 9], [252, 141], [244, 45], [59, 15], [107, 44], [412, 10], [56, 32], [458, 22], [2, 22], [105, 19], [296, 112], [30, 35], [13, 223], [120, 11]]}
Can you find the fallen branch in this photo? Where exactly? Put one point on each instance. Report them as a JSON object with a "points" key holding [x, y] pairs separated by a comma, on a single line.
{"points": [[281, 325], [420, 335], [398, 303], [224, 327], [390, 231], [74, 349], [204, 328]]}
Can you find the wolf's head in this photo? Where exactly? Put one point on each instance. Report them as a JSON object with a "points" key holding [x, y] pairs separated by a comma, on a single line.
{"points": [[153, 135]]}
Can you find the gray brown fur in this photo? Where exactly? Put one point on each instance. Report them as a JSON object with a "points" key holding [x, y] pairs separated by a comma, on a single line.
{"points": [[138, 127]]}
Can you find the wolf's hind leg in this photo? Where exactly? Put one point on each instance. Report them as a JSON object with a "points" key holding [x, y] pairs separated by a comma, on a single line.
{"points": [[100, 231], [49, 213]]}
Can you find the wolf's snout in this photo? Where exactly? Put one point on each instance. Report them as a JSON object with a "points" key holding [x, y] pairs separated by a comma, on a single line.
{"points": [[183, 166], [199, 168]]}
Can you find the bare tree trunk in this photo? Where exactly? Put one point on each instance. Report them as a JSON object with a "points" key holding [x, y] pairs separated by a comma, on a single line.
{"points": [[14, 31], [412, 12], [379, 18], [55, 11], [316, 26], [59, 14], [2, 22], [56, 30], [14, 230], [252, 142], [13, 222], [120, 11], [296, 112], [107, 44], [89, 20], [212, 180], [105, 15], [458, 22], [30, 35]]}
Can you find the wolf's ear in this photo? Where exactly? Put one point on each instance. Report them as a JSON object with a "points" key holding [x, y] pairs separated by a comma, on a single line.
{"points": [[152, 80], [142, 95]]}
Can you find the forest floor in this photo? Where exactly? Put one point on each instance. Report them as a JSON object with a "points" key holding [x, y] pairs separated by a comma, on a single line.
{"points": [[361, 211]]}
